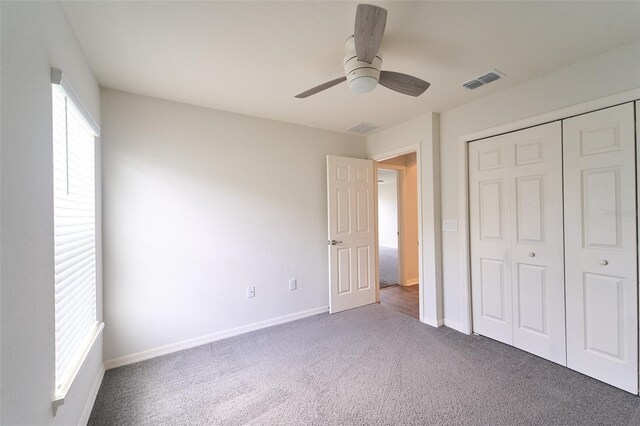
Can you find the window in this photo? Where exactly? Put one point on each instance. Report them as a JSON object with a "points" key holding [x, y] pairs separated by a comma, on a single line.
{"points": [[74, 195]]}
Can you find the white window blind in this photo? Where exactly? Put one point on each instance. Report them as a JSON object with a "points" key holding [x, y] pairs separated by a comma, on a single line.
{"points": [[75, 236]]}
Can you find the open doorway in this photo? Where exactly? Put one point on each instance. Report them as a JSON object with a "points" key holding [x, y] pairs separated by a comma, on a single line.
{"points": [[398, 251], [388, 227]]}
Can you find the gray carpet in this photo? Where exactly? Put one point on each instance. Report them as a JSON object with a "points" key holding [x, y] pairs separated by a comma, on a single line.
{"points": [[389, 274], [366, 366]]}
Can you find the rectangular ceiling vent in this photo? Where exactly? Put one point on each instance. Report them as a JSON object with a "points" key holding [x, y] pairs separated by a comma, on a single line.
{"points": [[489, 77], [473, 84], [486, 78], [362, 128]]}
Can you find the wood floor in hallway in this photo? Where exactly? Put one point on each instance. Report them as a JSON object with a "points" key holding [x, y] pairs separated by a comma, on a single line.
{"points": [[402, 299]]}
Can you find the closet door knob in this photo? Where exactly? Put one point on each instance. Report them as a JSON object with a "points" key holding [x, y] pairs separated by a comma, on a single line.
{"points": [[604, 262], [532, 254]]}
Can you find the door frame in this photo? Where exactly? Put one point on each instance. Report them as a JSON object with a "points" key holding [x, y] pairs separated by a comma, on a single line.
{"points": [[466, 325], [422, 291], [400, 191]]}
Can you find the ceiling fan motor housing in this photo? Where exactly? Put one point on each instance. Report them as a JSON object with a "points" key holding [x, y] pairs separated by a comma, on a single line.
{"points": [[362, 76]]}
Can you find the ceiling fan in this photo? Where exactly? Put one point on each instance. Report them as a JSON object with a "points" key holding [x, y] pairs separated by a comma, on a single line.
{"points": [[363, 61]]}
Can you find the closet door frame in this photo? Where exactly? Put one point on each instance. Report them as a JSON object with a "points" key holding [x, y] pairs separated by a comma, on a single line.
{"points": [[465, 324]]}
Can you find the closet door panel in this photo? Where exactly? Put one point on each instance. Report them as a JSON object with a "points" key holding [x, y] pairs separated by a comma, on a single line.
{"points": [[516, 240], [601, 245], [490, 239], [537, 244]]}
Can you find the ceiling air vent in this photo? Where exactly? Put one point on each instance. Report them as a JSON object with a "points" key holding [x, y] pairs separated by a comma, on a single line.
{"points": [[473, 84], [362, 128], [483, 79], [489, 77]]}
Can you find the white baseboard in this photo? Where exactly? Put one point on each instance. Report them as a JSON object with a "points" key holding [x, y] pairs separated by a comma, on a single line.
{"points": [[197, 341], [410, 282], [91, 398]]}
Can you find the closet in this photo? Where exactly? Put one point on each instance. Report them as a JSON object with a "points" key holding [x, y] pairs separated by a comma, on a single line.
{"points": [[601, 245], [553, 237], [517, 245]]}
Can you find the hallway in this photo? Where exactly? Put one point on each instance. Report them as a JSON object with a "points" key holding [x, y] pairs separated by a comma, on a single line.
{"points": [[402, 299]]}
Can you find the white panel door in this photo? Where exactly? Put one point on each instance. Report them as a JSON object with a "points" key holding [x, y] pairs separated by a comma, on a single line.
{"points": [[490, 239], [350, 184], [537, 264], [516, 240], [601, 246]]}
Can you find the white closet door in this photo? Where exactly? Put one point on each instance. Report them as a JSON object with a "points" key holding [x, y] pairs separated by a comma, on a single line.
{"points": [[489, 162], [601, 257], [518, 271], [536, 242]]}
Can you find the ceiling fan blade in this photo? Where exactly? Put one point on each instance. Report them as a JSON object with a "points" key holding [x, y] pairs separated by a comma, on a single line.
{"points": [[403, 83], [369, 29], [320, 88]]}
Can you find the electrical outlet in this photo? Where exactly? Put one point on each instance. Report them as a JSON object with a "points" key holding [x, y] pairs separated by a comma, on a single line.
{"points": [[251, 291], [293, 284]]}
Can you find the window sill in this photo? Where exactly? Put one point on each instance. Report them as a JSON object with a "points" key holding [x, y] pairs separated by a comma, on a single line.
{"points": [[61, 393]]}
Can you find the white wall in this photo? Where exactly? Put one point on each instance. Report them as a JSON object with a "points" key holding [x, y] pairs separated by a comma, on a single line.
{"points": [[34, 37], [613, 72], [388, 214], [199, 204], [424, 132]]}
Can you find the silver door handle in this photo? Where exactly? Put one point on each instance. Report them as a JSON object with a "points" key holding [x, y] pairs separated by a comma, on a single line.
{"points": [[334, 242], [532, 254], [604, 262]]}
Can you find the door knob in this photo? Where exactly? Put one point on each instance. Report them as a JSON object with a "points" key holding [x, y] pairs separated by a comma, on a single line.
{"points": [[532, 254], [604, 262], [334, 242]]}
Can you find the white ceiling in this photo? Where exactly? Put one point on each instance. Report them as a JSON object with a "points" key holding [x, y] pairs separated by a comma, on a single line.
{"points": [[253, 57]]}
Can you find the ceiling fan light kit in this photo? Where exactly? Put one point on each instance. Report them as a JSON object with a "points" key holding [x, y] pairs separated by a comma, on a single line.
{"points": [[363, 59], [362, 77]]}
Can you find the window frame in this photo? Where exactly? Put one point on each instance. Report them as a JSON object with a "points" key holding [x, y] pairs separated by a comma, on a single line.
{"points": [[61, 388]]}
